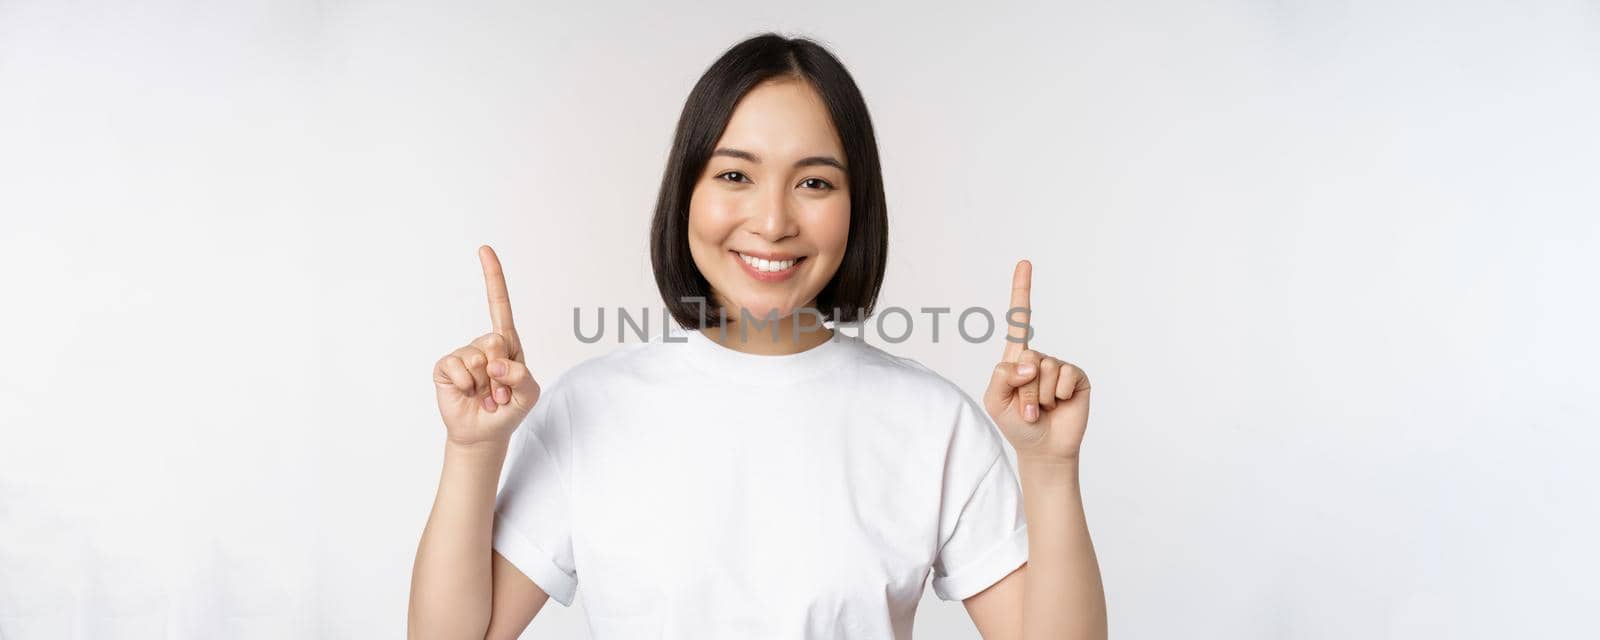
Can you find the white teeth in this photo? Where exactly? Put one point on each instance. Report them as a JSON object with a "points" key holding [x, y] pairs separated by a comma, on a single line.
{"points": [[768, 266]]}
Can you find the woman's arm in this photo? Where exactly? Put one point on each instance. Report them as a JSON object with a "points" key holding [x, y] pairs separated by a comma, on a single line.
{"points": [[452, 580], [460, 588], [1063, 595], [1041, 405], [1057, 593]]}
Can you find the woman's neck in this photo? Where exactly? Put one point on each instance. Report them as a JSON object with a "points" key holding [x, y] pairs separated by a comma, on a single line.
{"points": [[757, 338]]}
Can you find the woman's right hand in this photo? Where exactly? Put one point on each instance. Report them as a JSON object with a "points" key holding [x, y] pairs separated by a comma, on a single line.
{"points": [[484, 388]]}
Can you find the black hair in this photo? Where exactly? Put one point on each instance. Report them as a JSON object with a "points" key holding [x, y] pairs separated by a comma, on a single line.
{"points": [[853, 291]]}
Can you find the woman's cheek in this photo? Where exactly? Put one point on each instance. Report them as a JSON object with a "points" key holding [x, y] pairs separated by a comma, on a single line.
{"points": [[708, 216], [717, 210], [831, 225]]}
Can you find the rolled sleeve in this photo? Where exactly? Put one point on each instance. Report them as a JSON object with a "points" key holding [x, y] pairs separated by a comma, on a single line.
{"points": [[535, 562], [988, 537], [532, 520]]}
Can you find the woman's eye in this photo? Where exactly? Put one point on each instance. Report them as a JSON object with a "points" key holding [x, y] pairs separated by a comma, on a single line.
{"points": [[737, 177], [816, 183]]}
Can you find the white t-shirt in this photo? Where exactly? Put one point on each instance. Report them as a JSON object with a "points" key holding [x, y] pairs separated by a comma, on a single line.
{"points": [[696, 491]]}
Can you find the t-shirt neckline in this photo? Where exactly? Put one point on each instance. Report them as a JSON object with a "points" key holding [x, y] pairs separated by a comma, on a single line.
{"points": [[757, 369]]}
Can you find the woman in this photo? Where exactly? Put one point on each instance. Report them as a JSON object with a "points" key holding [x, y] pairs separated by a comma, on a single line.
{"points": [[741, 481]]}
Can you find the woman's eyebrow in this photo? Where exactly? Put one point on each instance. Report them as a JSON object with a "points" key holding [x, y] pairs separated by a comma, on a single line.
{"points": [[803, 162]]}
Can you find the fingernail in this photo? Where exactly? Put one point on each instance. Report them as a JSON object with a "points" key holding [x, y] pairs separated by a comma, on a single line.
{"points": [[489, 404], [497, 368], [502, 395], [1025, 369], [1031, 412]]}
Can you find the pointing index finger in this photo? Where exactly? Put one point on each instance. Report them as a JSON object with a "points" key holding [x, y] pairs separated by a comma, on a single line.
{"points": [[494, 279], [1017, 336]]}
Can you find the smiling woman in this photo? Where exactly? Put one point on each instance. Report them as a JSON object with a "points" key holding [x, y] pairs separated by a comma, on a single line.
{"points": [[755, 196], [774, 139], [800, 485]]}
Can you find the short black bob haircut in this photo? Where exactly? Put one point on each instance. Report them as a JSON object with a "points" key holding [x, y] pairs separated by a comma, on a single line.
{"points": [[853, 291]]}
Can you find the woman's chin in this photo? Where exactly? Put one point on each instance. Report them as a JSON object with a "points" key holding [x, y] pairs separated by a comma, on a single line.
{"points": [[759, 314], [762, 311]]}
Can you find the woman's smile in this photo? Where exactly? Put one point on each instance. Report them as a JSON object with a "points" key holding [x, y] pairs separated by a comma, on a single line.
{"points": [[767, 267]]}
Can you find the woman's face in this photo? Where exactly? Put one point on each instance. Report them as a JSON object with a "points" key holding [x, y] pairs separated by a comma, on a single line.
{"points": [[773, 194]]}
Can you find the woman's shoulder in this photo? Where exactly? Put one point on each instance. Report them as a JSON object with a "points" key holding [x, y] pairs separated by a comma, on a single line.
{"points": [[881, 367], [601, 368]]}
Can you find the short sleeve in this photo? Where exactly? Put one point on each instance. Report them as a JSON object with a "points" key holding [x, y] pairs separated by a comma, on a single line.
{"points": [[533, 518], [983, 531]]}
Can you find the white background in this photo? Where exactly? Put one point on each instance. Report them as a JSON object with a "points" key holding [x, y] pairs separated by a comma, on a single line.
{"points": [[1331, 267]]}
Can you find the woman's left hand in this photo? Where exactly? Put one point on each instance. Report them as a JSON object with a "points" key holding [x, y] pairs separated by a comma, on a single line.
{"points": [[1040, 403]]}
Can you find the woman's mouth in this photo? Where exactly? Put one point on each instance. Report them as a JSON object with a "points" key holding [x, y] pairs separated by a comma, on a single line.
{"points": [[772, 268]]}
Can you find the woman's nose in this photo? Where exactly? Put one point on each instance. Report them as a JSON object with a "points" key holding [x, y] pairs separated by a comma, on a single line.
{"points": [[775, 219]]}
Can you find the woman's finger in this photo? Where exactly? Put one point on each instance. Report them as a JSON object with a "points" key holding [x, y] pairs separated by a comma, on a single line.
{"points": [[1019, 326], [475, 361], [450, 370], [495, 347], [1003, 383], [494, 281], [1028, 394], [1049, 375], [1073, 380], [522, 390]]}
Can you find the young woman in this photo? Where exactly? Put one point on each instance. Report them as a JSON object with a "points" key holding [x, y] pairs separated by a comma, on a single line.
{"points": [[746, 480]]}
